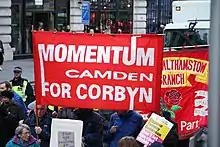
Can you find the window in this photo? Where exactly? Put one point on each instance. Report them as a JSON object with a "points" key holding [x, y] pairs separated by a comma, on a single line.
{"points": [[184, 37], [111, 15]]}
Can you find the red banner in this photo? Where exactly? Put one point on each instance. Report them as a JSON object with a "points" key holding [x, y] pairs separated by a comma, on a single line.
{"points": [[185, 89], [115, 72]]}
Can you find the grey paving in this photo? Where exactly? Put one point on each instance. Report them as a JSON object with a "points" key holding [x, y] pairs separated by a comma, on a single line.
{"points": [[27, 65]]}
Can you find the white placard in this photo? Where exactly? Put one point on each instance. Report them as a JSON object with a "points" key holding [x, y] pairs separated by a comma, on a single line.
{"points": [[66, 133], [38, 2]]}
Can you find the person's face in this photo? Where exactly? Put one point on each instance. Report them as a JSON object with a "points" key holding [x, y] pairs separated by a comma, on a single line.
{"points": [[3, 87], [25, 135], [68, 27], [41, 110], [17, 74]]}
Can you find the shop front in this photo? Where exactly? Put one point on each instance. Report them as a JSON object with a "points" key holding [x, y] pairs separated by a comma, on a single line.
{"points": [[26, 16]]}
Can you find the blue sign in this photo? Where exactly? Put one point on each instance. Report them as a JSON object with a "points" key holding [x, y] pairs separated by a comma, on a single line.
{"points": [[85, 12]]}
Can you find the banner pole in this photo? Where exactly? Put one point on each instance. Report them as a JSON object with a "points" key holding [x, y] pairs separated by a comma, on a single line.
{"points": [[214, 80]]}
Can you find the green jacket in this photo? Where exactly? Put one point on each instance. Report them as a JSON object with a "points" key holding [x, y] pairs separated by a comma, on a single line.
{"points": [[16, 142]]}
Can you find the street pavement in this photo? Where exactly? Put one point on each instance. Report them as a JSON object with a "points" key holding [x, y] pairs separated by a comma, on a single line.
{"points": [[27, 66]]}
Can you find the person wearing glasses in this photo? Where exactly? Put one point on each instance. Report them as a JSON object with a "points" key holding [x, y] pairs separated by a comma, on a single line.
{"points": [[22, 87], [23, 138]]}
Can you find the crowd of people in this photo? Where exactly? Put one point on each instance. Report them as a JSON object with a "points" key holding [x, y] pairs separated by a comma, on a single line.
{"points": [[23, 123]]}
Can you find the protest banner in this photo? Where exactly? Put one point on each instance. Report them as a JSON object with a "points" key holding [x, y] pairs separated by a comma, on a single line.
{"points": [[184, 89], [66, 133], [155, 129], [113, 72]]}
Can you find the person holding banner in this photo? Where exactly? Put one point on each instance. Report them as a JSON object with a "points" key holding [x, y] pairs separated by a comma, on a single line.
{"points": [[40, 125], [123, 123]]}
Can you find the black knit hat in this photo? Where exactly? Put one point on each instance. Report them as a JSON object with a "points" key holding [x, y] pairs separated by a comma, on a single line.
{"points": [[7, 94], [18, 69]]}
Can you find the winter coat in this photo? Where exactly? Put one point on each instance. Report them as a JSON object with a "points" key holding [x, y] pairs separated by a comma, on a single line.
{"points": [[92, 129], [156, 144], [1, 53], [16, 142], [10, 115], [128, 125], [172, 138], [1, 47], [44, 124], [17, 99]]}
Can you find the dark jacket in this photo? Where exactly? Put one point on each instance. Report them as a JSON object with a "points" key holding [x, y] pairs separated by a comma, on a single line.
{"points": [[10, 115], [92, 129], [29, 90], [66, 113], [1, 53], [172, 138], [1, 47], [45, 124], [128, 125]]}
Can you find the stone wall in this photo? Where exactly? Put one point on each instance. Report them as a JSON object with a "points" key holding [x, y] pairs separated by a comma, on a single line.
{"points": [[139, 16], [5, 27], [76, 16]]}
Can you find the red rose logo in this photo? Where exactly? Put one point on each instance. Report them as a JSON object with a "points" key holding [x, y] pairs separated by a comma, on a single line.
{"points": [[172, 97]]}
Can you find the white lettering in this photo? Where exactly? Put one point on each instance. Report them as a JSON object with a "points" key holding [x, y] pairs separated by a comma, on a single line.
{"points": [[98, 74], [56, 90], [119, 93], [69, 74], [132, 94], [86, 73], [132, 76], [45, 88], [78, 91], [146, 95], [107, 91], [48, 53], [76, 56], [114, 93], [103, 54], [189, 125], [126, 55], [116, 55], [61, 53], [132, 52], [90, 53], [147, 59], [91, 91], [147, 77], [115, 75]]}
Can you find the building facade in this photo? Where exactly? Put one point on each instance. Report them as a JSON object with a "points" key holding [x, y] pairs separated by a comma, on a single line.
{"points": [[5, 27], [19, 17]]}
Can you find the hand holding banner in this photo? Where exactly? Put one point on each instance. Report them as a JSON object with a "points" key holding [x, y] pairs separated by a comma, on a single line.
{"points": [[156, 129]]}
